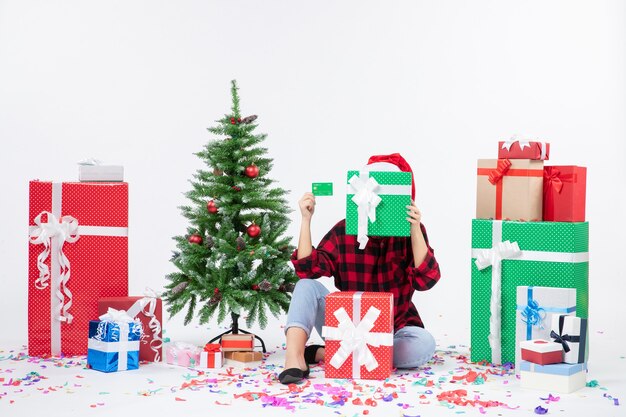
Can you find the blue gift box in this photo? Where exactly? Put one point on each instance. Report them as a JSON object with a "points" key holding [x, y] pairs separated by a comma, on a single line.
{"points": [[113, 346]]}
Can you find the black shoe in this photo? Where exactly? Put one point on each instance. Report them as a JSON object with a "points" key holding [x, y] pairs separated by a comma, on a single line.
{"points": [[310, 352], [293, 375]]}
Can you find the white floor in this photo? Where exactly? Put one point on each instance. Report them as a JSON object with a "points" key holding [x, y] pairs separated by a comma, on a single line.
{"points": [[30, 386]]}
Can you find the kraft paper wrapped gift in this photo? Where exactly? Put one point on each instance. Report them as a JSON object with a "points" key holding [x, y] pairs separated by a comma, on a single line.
{"points": [[541, 352], [376, 204], [149, 310], [243, 359], [509, 189], [561, 377], [508, 254], [564, 193], [520, 149], [182, 354], [571, 334], [536, 306], [78, 254], [237, 342], [359, 335], [211, 356], [114, 342]]}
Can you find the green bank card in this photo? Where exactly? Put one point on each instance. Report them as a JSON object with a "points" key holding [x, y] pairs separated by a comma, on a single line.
{"points": [[322, 188]]}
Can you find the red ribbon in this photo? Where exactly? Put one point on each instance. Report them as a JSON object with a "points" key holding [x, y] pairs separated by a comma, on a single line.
{"points": [[501, 169], [553, 179], [212, 347]]}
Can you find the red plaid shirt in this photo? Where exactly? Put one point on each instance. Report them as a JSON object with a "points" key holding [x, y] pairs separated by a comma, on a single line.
{"points": [[385, 265]]}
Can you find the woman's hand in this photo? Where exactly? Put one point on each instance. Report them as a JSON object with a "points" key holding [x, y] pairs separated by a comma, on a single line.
{"points": [[307, 205]]}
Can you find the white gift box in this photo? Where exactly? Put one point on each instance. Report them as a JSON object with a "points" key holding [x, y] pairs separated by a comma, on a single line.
{"points": [[560, 377], [535, 308], [103, 173], [571, 333]]}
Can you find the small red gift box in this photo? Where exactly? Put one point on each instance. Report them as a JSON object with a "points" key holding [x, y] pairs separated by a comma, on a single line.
{"points": [[150, 311], [519, 149], [237, 342], [564, 193], [541, 352], [78, 254], [359, 335], [212, 356]]}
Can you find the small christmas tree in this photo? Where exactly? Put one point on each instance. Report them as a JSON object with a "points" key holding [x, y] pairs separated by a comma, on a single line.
{"points": [[234, 258]]}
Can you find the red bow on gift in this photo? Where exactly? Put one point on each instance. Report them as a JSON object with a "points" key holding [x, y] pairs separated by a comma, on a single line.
{"points": [[553, 180], [212, 347], [501, 169]]}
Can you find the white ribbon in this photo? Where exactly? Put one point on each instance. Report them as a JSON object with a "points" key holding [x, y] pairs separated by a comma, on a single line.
{"points": [[366, 200], [493, 257], [154, 324], [355, 336], [90, 161], [52, 234], [122, 345], [64, 230]]}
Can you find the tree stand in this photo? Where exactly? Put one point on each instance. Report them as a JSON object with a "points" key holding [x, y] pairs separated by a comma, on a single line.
{"points": [[234, 329]]}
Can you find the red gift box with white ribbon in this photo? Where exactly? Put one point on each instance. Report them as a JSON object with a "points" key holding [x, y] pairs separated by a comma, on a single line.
{"points": [[149, 310], [78, 253], [359, 335]]}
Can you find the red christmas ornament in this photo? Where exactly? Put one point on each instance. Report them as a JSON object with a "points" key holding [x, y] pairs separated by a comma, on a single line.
{"points": [[211, 207], [234, 187], [234, 121], [195, 239], [255, 287], [252, 171], [253, 230], [216, 291]]}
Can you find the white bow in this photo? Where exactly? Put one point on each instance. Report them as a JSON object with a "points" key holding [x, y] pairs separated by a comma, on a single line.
{"points": [[64, 230], [492, 257], [366, 200], [508, 143], [355, 339]]}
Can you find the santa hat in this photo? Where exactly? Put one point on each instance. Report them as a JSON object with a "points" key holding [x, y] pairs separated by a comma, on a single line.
{"points": [[394, 162]]}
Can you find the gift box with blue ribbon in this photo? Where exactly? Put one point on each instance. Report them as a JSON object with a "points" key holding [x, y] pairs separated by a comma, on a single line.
{"points": [[535, 308], [571, 333], [114, 342]]}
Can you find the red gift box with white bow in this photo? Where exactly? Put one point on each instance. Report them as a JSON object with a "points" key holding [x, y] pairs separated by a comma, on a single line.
{"points": [[78, 253], [359, 335]]}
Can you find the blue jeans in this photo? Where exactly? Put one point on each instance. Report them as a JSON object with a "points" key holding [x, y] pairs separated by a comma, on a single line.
{"points": [[412, 346]]}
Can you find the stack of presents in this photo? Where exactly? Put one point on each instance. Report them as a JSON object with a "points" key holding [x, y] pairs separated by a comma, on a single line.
{"points": [[530, 267], [78, 277]]}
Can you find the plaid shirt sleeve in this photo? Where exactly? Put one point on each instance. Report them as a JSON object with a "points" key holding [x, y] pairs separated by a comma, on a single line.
{"points": [[424, 276], [322, 262]]}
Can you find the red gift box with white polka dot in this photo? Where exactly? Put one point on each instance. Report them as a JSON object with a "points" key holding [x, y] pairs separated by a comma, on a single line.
{"points": [[377, 307], [78, 253]]}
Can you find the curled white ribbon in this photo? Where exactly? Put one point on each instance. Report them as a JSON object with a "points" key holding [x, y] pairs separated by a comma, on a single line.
{"points": [[64, 230], [493, 257], [154, 324], [355, 339], [366, 200]]}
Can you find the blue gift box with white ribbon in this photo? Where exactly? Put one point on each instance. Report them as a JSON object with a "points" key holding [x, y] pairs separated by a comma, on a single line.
{"points": [[114, 342], [535, 308]]}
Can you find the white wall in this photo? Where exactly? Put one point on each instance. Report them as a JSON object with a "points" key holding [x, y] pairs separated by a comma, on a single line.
{"points": [[137, 82]]}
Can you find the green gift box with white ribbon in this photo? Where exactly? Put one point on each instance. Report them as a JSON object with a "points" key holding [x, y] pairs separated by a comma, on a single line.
{"points": [[376, 204], [508, 254]]}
